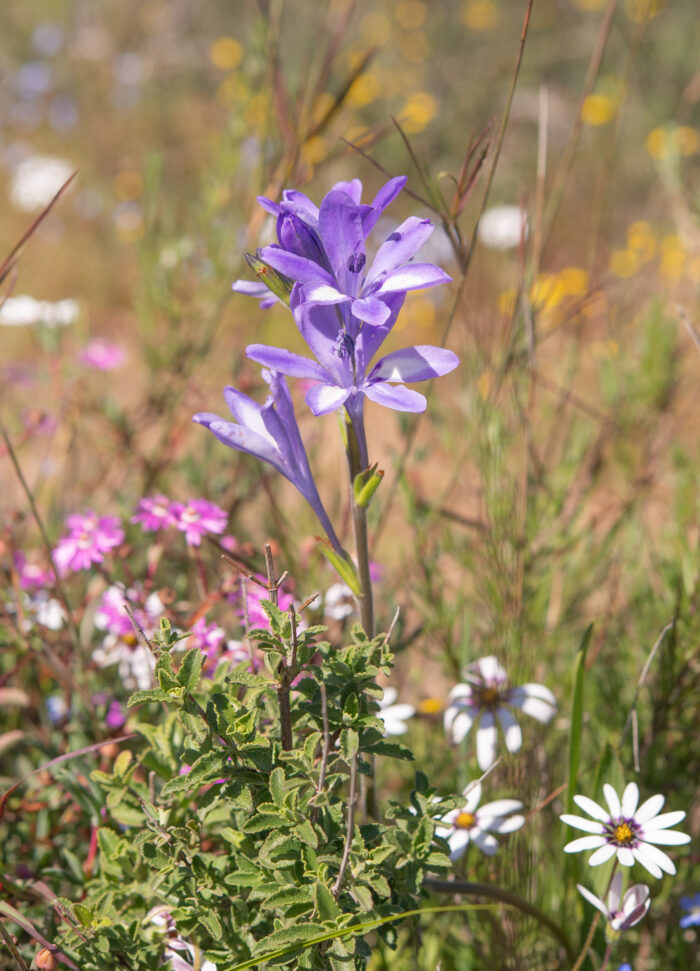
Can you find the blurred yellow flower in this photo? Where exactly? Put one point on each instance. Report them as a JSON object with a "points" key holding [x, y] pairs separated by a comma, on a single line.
{"points": [[411, 14], [574, 281], [127, 185], [431, 706], [232, 91], [685, 140], [313, 151], [414, 47], [483, 384], [479, 14], [598, 109], [418, 112], [641, 239], [624, 263], [656, 143], [226, 53], [640, 10], [375, 28], [547, 291], [365, 89], [321, 106], [419, 311], [672, 258]]}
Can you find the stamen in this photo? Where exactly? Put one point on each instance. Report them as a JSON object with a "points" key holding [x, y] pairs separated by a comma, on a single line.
{"points": [[356, 262], [465, 820], [623, 834]]}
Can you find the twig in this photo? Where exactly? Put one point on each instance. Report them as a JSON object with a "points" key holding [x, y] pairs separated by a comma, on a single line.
{"points": [[12, 949], [631, 717], [587, 943], [326, 747], [352, 795], [685, 320]]}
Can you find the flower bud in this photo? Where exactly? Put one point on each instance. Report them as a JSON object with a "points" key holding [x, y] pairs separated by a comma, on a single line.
{"points": [[45, 960]]}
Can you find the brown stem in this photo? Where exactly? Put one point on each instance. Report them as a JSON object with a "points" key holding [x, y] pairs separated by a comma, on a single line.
{"points": [[352, 796]]}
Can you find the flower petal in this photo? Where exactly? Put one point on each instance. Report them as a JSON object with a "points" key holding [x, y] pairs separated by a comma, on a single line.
{"points": [[664, 820], [615, 892], [286, 362], [536, 708], [511, 729], [383, 198], [324, 398], [297, 268], [509, 825], [625, 856], [650, 856], [370, 310], [419, 363], [460, 726], [592, 899], [340, 229], [666, 837], [458, 841], [399, 248], [240, 438], [396, 397], [630, 800], [649, 809], [498, 808], [321, 293], [601, 855], [487, 843], [613, 801], [486, 741], [472, 795], [592, 808], [586, 843], [413, 276], [578, 822]]}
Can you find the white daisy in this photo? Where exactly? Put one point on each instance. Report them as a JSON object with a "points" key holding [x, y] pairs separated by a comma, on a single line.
{"points": [[487, 698], [459, 826], [620, 913], [503, 227], [37, 179], [625, 831], [394, 716]]}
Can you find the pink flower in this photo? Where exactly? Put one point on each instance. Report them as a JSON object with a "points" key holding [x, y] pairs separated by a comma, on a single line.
{"points": [[112, 617], [31, 575], [89, 538], [198, 517], [252, 615], [207, 637], [102, 355], [154, 513]]}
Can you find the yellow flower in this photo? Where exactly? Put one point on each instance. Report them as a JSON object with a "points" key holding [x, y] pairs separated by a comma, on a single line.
{"points": [[232, 91], [685, 140], [313, 151], [479, 14], [226, 53], [375, 28], [624, 263], [365, 89], [641, 239], [672, 258], [430, 706], [547, 291], [411, 14], [598, 109], [573, 281], [418, 112], [656, 143], [506, 302], [640, 10]]}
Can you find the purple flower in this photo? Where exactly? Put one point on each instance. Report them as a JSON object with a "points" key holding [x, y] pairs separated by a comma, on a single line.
{"points": [[252, 613], [198, 517], [207, 637], [102, 355], [270, 433], [115, 716], [692, 907], [89, 538], [31, 575], [154, 513], [112, 617]]}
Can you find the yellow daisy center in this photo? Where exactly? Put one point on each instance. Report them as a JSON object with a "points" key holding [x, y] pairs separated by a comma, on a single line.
{"points": [[465, 820], [623, 834], [430, 706]]}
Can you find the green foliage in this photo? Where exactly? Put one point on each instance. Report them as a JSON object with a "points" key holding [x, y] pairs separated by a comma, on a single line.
{"points": [[245, 850]]}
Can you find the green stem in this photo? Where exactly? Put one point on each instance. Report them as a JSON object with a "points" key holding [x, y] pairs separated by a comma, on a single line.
{"points": [[359, 524]]}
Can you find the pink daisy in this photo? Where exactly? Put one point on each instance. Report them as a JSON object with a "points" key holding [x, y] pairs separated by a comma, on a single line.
{"points": [[89, 538], [198, 517]]}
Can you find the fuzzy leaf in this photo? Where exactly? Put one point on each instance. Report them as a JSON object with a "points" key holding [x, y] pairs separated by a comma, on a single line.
{"points": [[190, 669], [349, 744], [151, 694], [277, 786], [326, 906]]}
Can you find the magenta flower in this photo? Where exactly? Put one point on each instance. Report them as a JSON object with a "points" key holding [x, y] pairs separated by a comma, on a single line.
{"points": [[102, 355], [112, 617], [252, 614], [31, 575], [198, 517], [207, 637], [154, 513], [89, 538], [115, 716]]}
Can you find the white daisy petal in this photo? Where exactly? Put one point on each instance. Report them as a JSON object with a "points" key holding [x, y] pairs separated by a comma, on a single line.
{"points": [[458, 843], [486, 741], [649, 864], [647, 854], [625, 856], [592, 808], [460, 691], [501, 807], [472, 795], [630, 800], [534, 690], [649, 809], [578, 822], [508, 825], [613, 801], [664, 821], [511, 729], [486, 843], [666, 837], [615, 892], [489, 669], [585, 843], [601, 855], [592, 899], [400, 712], [390, 696], [460, 727], [536, 708]]}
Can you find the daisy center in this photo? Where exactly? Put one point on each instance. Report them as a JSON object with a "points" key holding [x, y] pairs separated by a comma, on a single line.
{"points": [[465, 820], [623, 834], [489, 696], [430, 706]]}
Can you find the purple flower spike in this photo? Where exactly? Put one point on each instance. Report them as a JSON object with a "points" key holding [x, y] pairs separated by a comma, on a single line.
{"points": [[270, 432]]}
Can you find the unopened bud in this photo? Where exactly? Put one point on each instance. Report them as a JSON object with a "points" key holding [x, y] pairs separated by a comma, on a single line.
{"points": [[275, 282], [45, 960], [366, 484]]}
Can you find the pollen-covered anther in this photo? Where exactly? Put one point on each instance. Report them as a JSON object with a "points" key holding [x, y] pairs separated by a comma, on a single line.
{"points": [[623, 834], [465, 820]]}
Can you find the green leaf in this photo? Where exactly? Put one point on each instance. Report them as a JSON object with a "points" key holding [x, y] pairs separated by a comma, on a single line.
{"points": [[306, 833], [262, 821], [84, 915], [326, 906], [289, 936], [343, 566], [210, 920], [164, 672], [277, 790], [244, 878], [392, 750], [190, 669], [152, 694], [244, 677], [349, 744], [577, 716]]}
